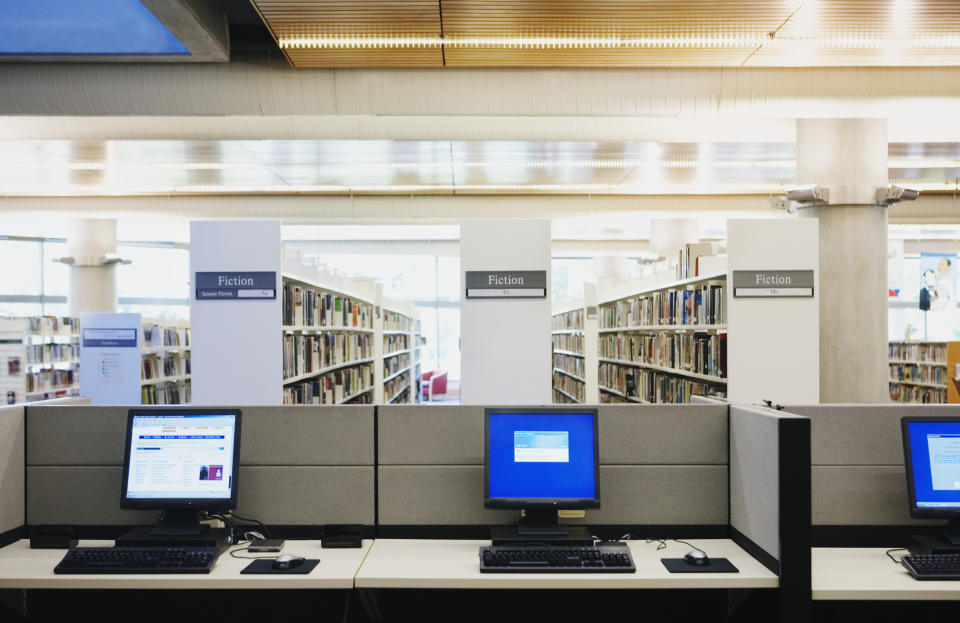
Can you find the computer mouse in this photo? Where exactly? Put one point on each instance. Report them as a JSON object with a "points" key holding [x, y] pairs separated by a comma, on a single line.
{"points": [[287, 561], [697, 558]]}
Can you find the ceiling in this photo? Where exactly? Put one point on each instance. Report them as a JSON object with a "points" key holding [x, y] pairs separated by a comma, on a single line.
{"points": [[614, 33], [353, 167]]}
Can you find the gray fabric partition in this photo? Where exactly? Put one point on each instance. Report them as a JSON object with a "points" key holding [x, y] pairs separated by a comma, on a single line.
{"points": [[12, 477], [857, 462], [659, 464], [298, 465]]}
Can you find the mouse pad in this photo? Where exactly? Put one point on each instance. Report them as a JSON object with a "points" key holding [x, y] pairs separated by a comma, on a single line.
{"points": [[717, 565], [265, 565]]}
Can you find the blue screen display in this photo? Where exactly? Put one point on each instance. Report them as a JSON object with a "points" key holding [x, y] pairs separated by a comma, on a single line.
{"points": [[541, 455], [935, 457]]}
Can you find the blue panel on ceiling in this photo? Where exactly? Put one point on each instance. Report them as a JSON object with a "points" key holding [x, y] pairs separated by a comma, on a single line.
{"points": [[83, 27]]}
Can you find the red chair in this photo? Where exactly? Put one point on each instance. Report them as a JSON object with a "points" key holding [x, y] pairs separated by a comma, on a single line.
{"points": [[433, 383]]}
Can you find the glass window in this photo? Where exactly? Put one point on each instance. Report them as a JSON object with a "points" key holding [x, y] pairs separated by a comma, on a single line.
{"points": [[56, 276], [156, 272], [20, 266], [20, 309], [178, 312], [448, 278], [448, 342]]}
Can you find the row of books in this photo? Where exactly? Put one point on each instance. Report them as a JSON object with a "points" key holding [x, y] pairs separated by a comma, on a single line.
{"points": [[50, 353], [394, 389], [691, 305], [392, 365], [572, 386], [699, 258], [330, 388], [166, 394], [561, 399], [930, 353], [53, 325], [700, 352], [307, 353], [572, 319], [154, 367], [393, 321], [571, 342], [918, 374], [652, 386], [175, 337], [48, 379], [303, 306], [914, 394], [573, 365], [393, 343]]}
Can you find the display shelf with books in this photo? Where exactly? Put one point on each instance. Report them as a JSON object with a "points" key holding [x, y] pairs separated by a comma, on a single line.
{"points": [[398, 352], [328, 339], [568, 359], [164, 361], [39, 358], [397, 390], [417, 347], [919, 372], [664, 344]]}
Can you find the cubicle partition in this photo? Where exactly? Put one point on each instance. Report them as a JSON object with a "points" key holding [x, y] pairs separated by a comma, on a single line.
{"points": [[12, 479], [299, 466], [859, 487]]}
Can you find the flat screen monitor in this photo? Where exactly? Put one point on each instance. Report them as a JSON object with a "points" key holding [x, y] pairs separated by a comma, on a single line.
{"points": [[181, 459], [541, 458], [932, 459]]}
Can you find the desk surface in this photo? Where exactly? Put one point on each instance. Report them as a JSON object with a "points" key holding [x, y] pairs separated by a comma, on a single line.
{"points": [[415, 563], [22, 567], [857, 573]]}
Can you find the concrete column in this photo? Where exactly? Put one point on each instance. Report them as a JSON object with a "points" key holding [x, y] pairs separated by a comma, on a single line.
{"points": [[92, 251], [849, 157]]}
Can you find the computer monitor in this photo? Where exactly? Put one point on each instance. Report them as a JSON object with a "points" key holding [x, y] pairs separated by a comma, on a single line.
{"points": [[931, 447], [541, 461], [181, 461]]}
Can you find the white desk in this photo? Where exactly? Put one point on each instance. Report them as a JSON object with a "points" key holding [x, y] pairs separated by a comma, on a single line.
{"points": [[415, 563], [866, 573], [22, 567]]}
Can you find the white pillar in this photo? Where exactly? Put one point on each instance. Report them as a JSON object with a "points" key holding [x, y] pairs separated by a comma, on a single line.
{"points": [[849, 158], [92, 250]]}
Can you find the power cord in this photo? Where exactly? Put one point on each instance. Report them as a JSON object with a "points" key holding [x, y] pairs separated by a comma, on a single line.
{"points": [[896, 549], [661, 543]]}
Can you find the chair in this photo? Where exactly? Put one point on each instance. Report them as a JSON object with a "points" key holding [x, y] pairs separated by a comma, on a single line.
{"points": [[432, 383]]}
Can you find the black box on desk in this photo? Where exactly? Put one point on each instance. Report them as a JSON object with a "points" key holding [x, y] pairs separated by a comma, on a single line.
{"points": [[930, 544]]}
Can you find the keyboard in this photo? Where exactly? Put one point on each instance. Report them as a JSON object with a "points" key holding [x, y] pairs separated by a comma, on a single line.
{"points": [[555, 559], [145, 559], [933, 566]]}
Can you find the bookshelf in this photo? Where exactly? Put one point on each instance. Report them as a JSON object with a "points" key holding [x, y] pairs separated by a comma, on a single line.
{"points": [[39, 358], [398, 355], [664, 344], [165, 362], [417, 359], [328, 338], [569, 356], [918, 372]]}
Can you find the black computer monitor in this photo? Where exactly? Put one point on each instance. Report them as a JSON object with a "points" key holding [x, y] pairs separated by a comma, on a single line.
{"points": [[181, 461], [931, 447], [541, 460]]}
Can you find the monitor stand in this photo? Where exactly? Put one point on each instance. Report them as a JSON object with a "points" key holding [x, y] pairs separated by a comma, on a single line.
{"points": [[952, 534], [943, 542], [179, 523], [541, 526], [182, 528]]}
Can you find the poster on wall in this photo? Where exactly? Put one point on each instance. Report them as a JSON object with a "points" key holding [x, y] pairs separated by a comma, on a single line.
{"points": [[938, 281]]}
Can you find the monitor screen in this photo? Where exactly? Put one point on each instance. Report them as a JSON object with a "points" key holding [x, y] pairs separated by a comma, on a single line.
{"points": [[932, 453], [178, 458], [542, 457]]}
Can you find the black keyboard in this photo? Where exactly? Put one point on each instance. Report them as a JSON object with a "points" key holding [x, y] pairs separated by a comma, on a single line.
{"points": [[555, 559], [933, 566], [146, 559]]}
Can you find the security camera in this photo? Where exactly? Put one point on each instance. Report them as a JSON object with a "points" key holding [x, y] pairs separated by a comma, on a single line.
{"points": [[894, 193], [813, 194]]}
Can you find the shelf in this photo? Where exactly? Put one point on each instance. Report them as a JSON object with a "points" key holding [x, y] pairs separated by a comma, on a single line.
{"points": [[153, 350], [59, 362], [165, 379], [352, 396], [574, 398], [396, 374], [668, 286], [557, 351], [919, 384], [716, 380], [310, 375], [622, 395], [394, 397], [50, 338], [62, 388], [323, 329], [318, 286], [935, 364], [916, 342], [396, 352], [394, 332], [570, 374], [679, 328], [566, 331]]}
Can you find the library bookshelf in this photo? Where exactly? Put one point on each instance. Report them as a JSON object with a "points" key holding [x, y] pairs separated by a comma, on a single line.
{"points": [[919, 372], [664, 344], [165, 362], [398, 356], [569, 357], [39, 358]]}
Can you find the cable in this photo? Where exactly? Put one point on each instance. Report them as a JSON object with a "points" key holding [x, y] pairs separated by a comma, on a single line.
{"points": [[689, 544], [661, 544], [257, 522], [233, 554], [896, 549]]}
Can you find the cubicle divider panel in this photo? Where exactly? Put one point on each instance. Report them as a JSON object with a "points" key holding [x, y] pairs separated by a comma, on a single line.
{"points": [[299, 465], [12, 476], [857, 464], [660, 465]]}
